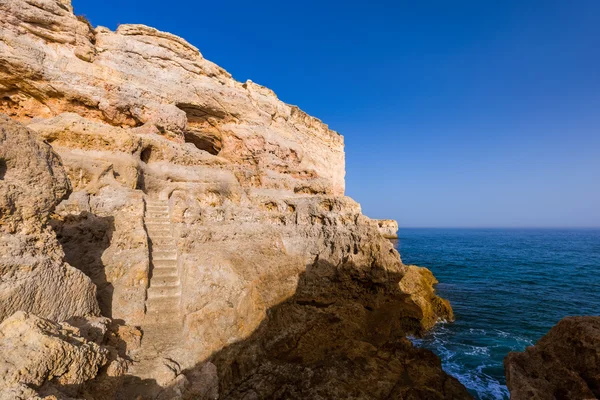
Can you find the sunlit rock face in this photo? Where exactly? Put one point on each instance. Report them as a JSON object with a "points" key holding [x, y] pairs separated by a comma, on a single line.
{"points": [[33, 274], [203, 210], [388, 228]]}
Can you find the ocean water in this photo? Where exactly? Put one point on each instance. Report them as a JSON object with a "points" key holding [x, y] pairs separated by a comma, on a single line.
{"points": [[507, 287]]}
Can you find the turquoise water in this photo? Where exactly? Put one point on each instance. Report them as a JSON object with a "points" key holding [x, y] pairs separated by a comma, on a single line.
{"points": [[507, 287]]}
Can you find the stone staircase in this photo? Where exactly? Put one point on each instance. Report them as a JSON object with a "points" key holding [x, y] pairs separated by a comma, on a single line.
{"points": [[164, 292], [163, 325]]}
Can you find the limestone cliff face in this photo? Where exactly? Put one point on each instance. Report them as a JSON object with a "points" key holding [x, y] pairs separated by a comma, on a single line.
{"points": [[140, 77], [213, 215]]}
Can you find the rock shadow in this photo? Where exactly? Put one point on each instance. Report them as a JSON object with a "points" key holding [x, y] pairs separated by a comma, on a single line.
{"points": [[3, 168], [343, 334], [84, 238]]}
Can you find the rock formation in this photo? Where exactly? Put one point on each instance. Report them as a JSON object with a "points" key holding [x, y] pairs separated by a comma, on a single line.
{"points": [[33, 274], [207, 212], [388, 228], [38, 356], [564, 364]]}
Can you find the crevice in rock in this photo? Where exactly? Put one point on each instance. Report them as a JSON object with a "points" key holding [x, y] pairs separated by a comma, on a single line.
{"points": [[203, 127], [203, 141], [3, 168], [146, 154]]}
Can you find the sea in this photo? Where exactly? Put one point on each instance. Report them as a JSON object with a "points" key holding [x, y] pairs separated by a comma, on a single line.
{"points": [[507, 287]]}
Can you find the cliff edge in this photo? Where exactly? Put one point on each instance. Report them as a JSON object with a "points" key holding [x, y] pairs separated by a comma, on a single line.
{"points": [[202, 210]]}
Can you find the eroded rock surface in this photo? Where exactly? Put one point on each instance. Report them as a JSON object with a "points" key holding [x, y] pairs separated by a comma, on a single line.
{"points": [[564, 364], [388, 228], [342, 335], [44, 359], [33, 274], [212, 215], [34, 351]]}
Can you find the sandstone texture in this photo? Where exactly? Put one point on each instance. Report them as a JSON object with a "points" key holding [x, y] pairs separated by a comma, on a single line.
{"points": [[33, 274], [564, 364], [388, 228], [203, 210], [40, 358]]}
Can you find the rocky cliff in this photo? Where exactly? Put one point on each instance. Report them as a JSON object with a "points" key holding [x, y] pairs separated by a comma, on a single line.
{"points": [[564, 364], [151, 188]]}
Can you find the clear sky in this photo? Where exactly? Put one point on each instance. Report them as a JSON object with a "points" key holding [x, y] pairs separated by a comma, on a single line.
{"points": [[455, 113]]}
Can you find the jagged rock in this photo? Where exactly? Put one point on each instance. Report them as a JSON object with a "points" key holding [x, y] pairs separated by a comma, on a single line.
{"points": [[419, 283], [342, 335], [34, 351], [564, 364], [388, 228], [32, 180], [24, 392], [84, 358], [33, 275]]}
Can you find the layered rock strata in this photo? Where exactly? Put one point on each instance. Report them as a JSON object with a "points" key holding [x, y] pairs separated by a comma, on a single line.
{"points": [[564, 364], [212, 215]]}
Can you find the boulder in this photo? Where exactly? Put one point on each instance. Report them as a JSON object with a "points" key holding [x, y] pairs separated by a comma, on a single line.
{"points": [[34, 351], [564, 364], [33, 274], [32, 179]]}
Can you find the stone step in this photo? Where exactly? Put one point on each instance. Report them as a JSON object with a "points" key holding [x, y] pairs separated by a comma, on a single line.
{"points": [[164, 273], [157, 221], [160, 319], [158, 226], [163, 241], [160, 216], [164, 255], [164, 281], [156, 201], [157, 210], [160, 234], [157, 206], [164, 292], [164, 263], [163, 248], [164, 230], [162, 304]]}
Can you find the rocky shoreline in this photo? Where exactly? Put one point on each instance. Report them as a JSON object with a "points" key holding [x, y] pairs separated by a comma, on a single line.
{"points": [[167, 232]]}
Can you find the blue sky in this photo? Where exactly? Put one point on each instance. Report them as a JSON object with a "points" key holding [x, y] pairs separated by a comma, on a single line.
{"points": [[455, 114]]}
